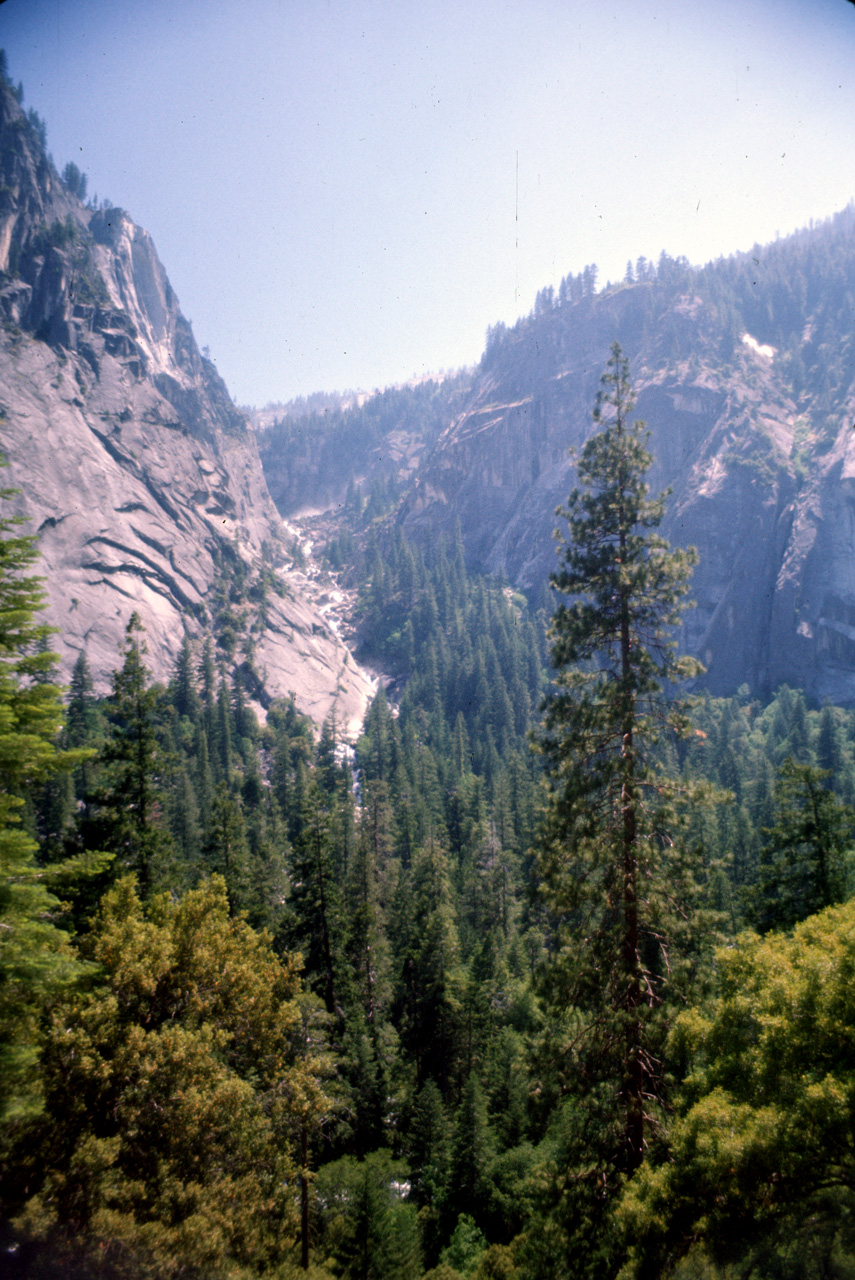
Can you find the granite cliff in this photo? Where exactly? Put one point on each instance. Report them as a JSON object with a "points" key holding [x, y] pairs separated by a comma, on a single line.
{"points": [[140, 477], [146, 487], [751, 429], [745, 373]]}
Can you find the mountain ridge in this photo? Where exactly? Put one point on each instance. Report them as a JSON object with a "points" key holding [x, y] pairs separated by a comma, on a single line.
{"points": [[137, 472], [745, 373], [150, 491]]}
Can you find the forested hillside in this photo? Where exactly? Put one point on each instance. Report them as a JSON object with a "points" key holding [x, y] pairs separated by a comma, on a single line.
{"points": [[546, 970], [275, 1007], [744, 371], [313, 458]]}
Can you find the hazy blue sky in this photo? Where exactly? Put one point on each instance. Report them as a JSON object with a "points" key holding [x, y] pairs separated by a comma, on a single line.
{"points": [[345, 193]]}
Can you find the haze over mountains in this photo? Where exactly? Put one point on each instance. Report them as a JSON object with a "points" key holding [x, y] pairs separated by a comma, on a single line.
{"points": [[150, 492]]}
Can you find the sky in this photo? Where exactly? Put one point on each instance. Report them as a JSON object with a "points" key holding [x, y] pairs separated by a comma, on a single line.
{"points": [[347, 193]]}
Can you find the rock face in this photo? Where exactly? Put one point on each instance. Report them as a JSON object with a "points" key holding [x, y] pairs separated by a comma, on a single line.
{"points": [[139, 475], [744, 373], [754, 439], [315, 455], [146, 487]]}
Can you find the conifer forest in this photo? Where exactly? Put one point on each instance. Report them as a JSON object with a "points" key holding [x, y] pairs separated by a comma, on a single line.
{"points": [[548, 971], [549, 975]]}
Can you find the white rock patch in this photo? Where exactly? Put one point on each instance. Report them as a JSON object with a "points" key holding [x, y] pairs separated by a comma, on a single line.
{"points": [[759, 348]]}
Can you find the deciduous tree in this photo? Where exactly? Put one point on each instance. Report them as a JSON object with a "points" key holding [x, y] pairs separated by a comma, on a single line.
{"points": [[760, 1162], [175, 1093]]}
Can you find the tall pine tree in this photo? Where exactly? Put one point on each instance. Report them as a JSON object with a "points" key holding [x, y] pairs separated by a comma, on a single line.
{"points": [[617, 884], [35, 959]]}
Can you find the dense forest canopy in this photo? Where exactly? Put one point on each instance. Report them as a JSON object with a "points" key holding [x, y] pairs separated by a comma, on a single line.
{"points": [[545, 973], [278, 1005]]}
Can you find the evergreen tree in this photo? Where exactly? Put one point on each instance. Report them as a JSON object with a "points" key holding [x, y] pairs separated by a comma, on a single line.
{"points": [[35, 960], [208, 681], [369, 1229], [315, 900], [472, 1150], [222, 726], [327, 768], [615, 878], [182, 814], [226, 848], [182, 687], [81, 720], [804, 860], [429, 1148], [829, 749], [431, 972], [173, 1094], [130, 804], [200, 769]]}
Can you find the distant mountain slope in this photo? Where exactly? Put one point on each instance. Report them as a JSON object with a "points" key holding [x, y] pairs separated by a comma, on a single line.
{"points": [[135, 468], [745, 374], [147, 489], [313, 454]]}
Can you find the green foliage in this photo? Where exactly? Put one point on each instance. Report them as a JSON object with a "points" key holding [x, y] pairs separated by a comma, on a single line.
{"points": [[472, 656], [760, 1160], [173, 1095], [429, 1148], [618, 878], [804, 862], [405, 881], [431, 969], [59, 235], [316, 899], [472, 1149], [488, 993], [368, 1226], [35, 959], [86, 285], [134, 765], [74, 180], [466, 1247], [38, 127], [229, 598]]}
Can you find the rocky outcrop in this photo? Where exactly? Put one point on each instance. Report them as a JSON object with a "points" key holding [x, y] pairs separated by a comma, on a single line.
{"points": [[135, 469], [762, 480], [147, 492], [314, 457]]}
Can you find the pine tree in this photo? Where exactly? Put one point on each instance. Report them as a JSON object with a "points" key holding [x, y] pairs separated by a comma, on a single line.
{"points": [[472, 1150], [327, 767], [183, 684], [35, 959], [131, 803], [431, 970], [208, 682], [614, 876], [315, 901], [223, 735], [370, 1231], [429, 1146], [225, 847], [82, 717], [804, 859]]}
